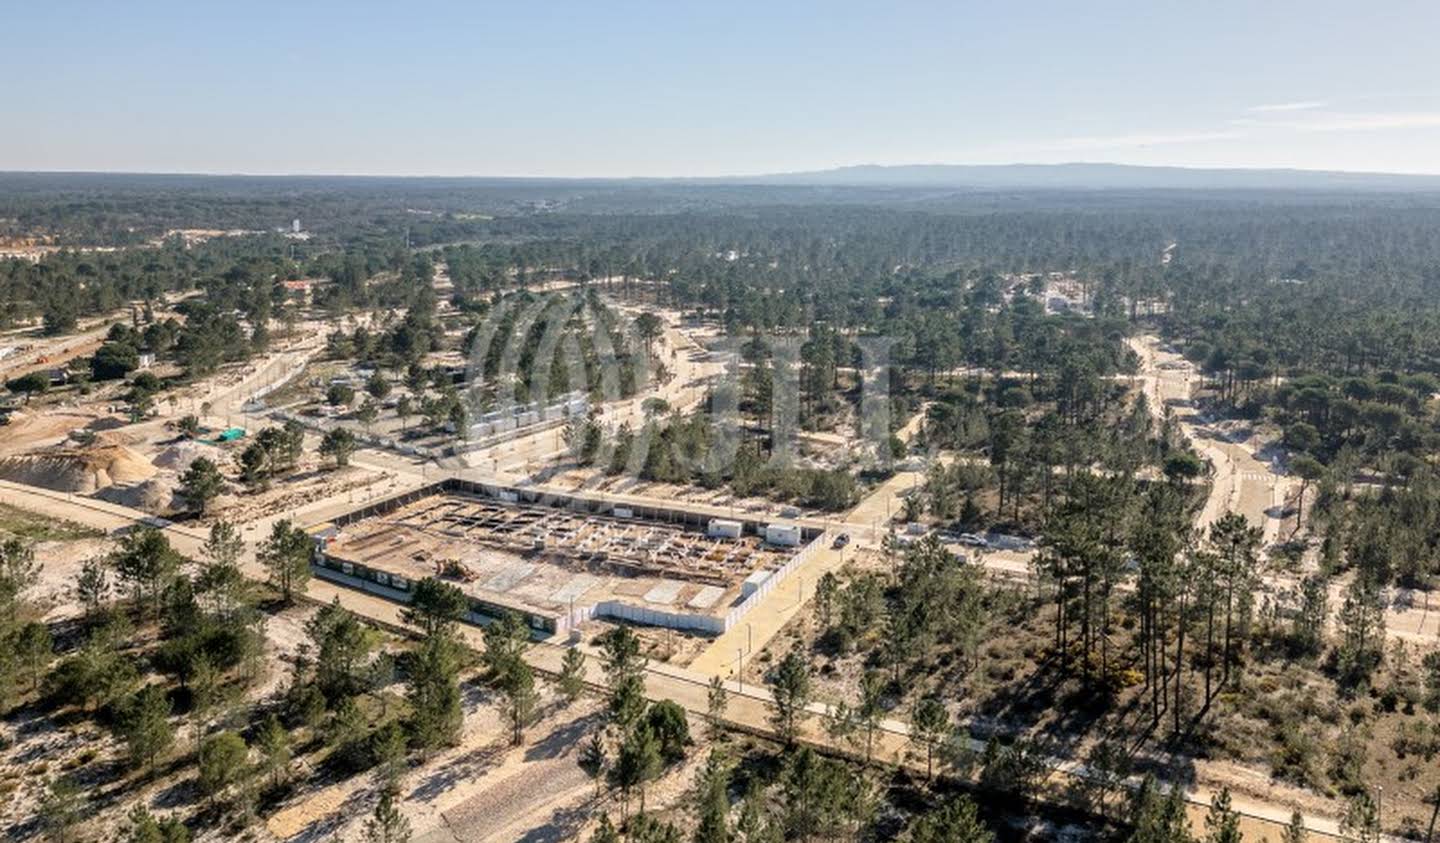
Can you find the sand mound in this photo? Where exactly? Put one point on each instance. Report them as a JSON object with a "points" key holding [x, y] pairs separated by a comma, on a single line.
{"points": [[80, 470], [155, 496], [131, 434], [178, 457], [28, 430]]}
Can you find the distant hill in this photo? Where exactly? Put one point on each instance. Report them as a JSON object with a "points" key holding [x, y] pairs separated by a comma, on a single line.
{"points": [[1094, 177], [862, 183]]}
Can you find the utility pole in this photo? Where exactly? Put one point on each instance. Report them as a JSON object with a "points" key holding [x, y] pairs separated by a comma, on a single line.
{"points": [[1435, 812]]}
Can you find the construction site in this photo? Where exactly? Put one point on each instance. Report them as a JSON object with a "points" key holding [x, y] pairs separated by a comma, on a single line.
{"points": [[561, 560]]}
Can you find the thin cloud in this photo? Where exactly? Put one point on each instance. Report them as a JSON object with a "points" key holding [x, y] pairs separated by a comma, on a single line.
{"points": [[1334, 121], [1304, 105], [1301, 117]]}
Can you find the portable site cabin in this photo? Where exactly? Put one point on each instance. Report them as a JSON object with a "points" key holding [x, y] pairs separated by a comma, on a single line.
{"points": [[786, 535], [722, 528]]}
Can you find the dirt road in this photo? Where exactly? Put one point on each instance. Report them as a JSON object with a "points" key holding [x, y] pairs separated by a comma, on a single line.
{"points": [[41, 353], [1242, 482], [750, 705]]}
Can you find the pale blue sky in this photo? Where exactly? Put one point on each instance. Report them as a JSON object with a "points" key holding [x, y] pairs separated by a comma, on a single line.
{"points": [[655, 89]]}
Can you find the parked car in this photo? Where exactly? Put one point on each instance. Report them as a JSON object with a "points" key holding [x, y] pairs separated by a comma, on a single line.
{"points": [[974, 540], [841, 540]]}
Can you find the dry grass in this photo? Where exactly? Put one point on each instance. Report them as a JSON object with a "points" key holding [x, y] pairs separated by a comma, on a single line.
{"points": [[39, 528]]}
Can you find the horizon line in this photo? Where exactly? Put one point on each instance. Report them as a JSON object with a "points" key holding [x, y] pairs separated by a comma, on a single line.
{"points": [[839, 168]]}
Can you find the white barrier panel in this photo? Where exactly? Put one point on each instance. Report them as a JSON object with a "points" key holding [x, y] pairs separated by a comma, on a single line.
{"points": [[650, 617], [734, 615]]}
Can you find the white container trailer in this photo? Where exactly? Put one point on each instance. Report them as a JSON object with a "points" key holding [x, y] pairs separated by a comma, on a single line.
{"points": [[787, 535], [722, 528]]}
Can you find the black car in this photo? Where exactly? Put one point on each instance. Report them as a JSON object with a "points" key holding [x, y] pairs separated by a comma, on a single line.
{"points": [[841, 540]]}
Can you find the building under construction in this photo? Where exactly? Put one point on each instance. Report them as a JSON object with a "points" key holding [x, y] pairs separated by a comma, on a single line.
{"points": [[559, 560]]}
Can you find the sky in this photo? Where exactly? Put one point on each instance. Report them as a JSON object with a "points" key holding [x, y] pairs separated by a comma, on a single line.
{"points": [[615, 88]]}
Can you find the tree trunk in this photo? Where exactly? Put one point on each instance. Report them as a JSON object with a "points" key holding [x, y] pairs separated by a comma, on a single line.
{"points": [[1180, 662], [1209, 644], [1229, 615]]}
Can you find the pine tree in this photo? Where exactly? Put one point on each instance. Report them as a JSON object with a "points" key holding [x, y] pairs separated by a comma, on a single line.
{"points": [[518, 686], [636, 764], [957, 821], [1157, 818], [791, 691], [92, 587], [338, 444], [286, 555], [871, 711], [621, 649], [627, 702], [717, 699], [1222, 824], [145, 725], [754, 824], [435, 607], [274, 743], [61, 806], [1362, 632], [145, 828], [223, 761], [1295, 831], [1308, 627], [145, 561], [929, 728], [433, 693], [593, 759], [572, 674], [201, 483], [713, 800], [1362, 819], [605, 832], [386, 823], [505, 640]]}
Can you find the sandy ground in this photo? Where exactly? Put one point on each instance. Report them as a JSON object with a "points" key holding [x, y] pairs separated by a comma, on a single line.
{"points": [[311, 482], [60, 564], [38, 750], [483, 789], [748, 703], [31, 429], [285, 637], [483, 761]]}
